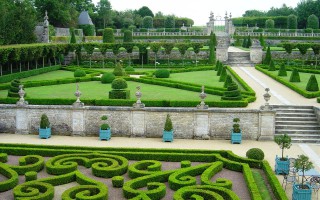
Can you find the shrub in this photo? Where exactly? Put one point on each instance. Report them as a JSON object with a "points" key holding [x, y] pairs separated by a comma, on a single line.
{"points": [[312, 85], [228, 81], [249, 42], [220, 68], [129, 69], [313, 22], [269, 23], [244, 43], [271, 66], [295, 77], [107, 77], [162, 73], [185, 163], [119, 84], [268, 58], [147, 22], [73, 37], [79, 73], [104, 126], [14, 88], [282, 70], [3, 157], [118, 70], [255, 153], [236, 125], [223, 75], [30, 176], [44, 122], [119, 94], [108, 36], [127, 36], [262, 42], [117, 181], [233, 93], [168, 124], [88, 29], [292, 22]]}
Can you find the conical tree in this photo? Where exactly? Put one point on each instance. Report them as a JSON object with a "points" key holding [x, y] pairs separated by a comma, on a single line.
{"points": [[228, 81], [295, 77], [233, 93], [249, 42], [244, 43], [118, 70], [312, 85], [73, 39], [282, 70], [262, 42], [272, 66], [223, 75], [212, 46], [219, 69], [14, 89], [268, 58], [217, 65]]}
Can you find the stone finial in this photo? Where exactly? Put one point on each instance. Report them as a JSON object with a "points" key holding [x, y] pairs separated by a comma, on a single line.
{"points": [[226, 15], [138, 94], [211, 18], [266, 97], [202, 95], [46, 22], [21, 93], [230, 16], [78, 103]]}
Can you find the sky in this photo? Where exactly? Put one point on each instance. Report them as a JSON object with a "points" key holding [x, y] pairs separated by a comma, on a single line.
{"points": [[199, 10]]}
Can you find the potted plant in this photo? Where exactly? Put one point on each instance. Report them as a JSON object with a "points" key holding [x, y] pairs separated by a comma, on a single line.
{"points": [[282, 165], [168, 130], [45, 129], [236, 134], [302, 190], [105, 131]]}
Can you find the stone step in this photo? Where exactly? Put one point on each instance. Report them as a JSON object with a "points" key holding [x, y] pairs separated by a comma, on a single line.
{"points": [[293, 118], [276, 107], [303, 132], [295, 111], [314, 123], [296, 115], [297, 127], [239, 54], [305, 140]]}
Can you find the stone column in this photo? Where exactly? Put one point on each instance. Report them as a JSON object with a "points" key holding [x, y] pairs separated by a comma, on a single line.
{"points": [[222, 53], [22, 123], [138, 124], [78, 122], [256, 52], [201, 130], [267, 124]]}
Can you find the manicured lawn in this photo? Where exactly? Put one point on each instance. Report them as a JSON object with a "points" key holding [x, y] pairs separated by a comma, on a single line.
{"points": [[3, 93], [135, 69], [304, 77], [59, 74], [207, 78], [96, 90]]}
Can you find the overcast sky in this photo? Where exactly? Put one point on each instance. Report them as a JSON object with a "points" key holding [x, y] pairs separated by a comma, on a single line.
{"points": [[199, 10]]}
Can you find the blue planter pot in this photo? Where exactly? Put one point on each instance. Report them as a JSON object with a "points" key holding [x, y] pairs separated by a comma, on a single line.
{"points": [[236, 137], [167, 136], [301, 194], [282, 166], [105, 134], [44, 133]]}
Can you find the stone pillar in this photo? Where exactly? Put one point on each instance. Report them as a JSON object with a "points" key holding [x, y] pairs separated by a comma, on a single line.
{"points": [[138, 124], [45, 34], [202, 126], [222, 53], [78, 122], [267, 124], [256, 52], [22, 124]]}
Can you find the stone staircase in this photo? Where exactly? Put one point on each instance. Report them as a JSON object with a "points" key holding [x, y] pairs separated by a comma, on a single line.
{"points": [[299, 122], [239, 58]]}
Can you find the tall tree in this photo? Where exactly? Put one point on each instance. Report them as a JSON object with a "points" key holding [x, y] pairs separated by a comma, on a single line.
{"points": [[169, 21], [306, 8], [282, 11], [254, 13], [104, 11], [145, 11], [147, 22]]}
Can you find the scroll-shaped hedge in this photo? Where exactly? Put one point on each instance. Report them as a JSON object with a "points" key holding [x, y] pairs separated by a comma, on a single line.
{"points": [[185, 177], [210, 172], [3, 157], [29, 163], [12, 176], [145, 167], [34, 190], [154, 183], [103, 165], [205, 192]]}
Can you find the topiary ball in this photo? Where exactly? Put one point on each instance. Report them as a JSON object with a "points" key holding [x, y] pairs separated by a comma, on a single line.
{"points": [[162, 73], [119, 84], [79, 73], [255, 153], [107, 77]]}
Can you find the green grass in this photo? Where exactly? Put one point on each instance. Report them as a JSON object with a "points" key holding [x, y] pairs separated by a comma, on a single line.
{"points": [[59, 74], [264, 192], [135, 69], [304, 78], [96, 90], [206, 78], [3, 93]]}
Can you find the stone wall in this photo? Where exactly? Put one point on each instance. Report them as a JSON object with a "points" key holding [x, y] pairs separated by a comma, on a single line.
{"points": [[214, 123], [293, 55]]}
